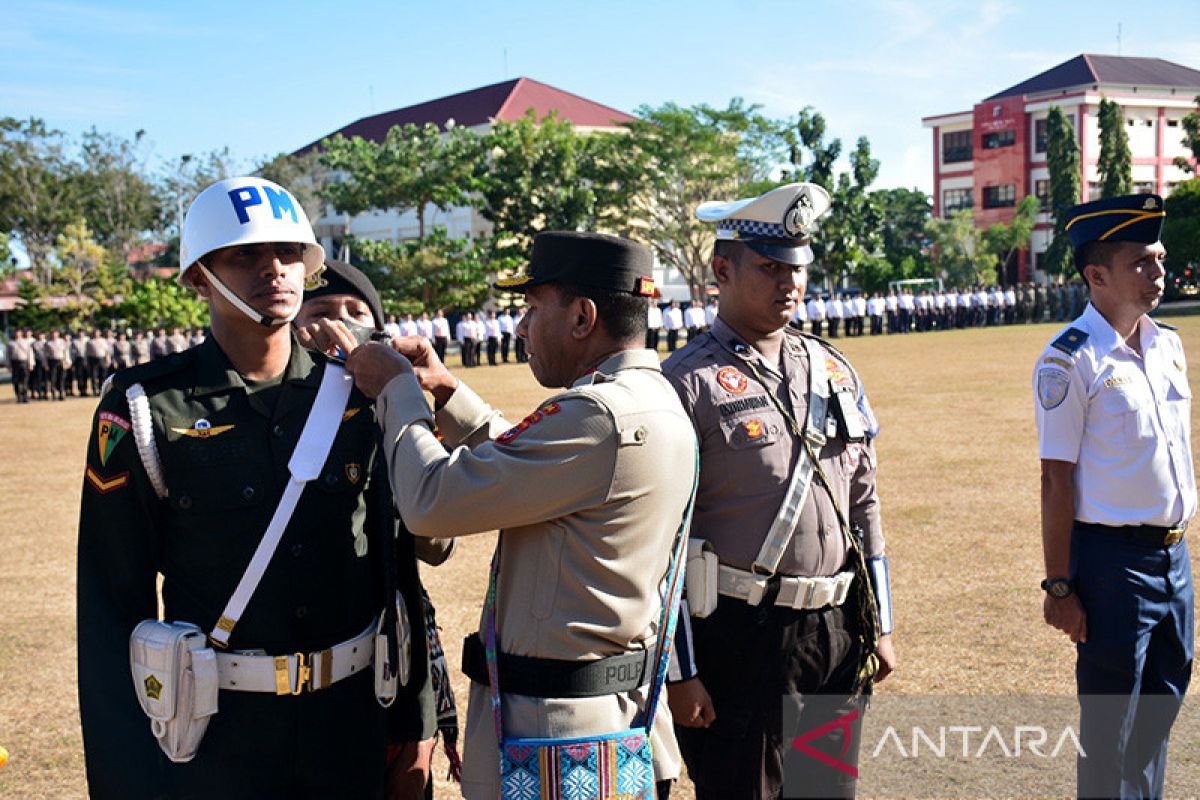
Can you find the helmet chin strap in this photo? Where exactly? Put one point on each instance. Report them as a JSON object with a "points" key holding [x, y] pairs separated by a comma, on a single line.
{"points": [[242, 305]]}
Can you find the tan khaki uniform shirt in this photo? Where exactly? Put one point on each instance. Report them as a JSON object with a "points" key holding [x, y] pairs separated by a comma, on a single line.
{"points": [[747, 451], [588, 492]]}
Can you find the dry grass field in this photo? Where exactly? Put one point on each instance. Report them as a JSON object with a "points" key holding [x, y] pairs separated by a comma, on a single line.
{"points": [[958, 479]]}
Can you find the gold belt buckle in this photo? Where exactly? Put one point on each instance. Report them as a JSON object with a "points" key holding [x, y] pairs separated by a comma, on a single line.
{"points": [[1173, 536], [283, 678]]}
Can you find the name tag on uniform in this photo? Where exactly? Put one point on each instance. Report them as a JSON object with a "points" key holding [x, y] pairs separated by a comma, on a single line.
{"points": [[1117, 380]]}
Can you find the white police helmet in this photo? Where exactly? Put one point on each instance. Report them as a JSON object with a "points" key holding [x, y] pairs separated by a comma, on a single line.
{"points": [[239, 211]]}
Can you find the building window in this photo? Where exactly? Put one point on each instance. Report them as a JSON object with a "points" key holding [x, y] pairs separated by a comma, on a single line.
{"points": [[992, 141], [1143, 187], [1039, 136], [1041, 188], [1172, 123], [1000, 196], [1094, 190], [956, 200], [956, 147]]}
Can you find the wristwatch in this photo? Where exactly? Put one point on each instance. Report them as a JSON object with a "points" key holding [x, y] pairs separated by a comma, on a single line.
{"points": [[1057, 587]]}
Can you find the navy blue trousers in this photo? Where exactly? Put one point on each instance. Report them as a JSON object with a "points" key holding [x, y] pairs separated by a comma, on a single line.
{"points": [[1135, 666]]}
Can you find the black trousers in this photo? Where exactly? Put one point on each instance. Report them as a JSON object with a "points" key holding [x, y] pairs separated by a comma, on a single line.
{"points": [[774, 674], [439, 347], [505, 340], [54, 379], [652, 338], [493, 346], [20, 382]]}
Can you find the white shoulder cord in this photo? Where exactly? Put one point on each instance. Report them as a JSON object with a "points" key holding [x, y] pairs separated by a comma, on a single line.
{"points": [[143, 436]]}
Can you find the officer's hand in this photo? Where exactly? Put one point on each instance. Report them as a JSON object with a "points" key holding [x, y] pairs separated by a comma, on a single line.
{"points": [[885, 651], [1067, 615], [690, 704], [327, 336], [408, 772], [373, 366], [430, 371]]}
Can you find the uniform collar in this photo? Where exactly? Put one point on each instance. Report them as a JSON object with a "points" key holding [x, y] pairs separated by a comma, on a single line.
{"points": [[732, 341], [1105, 339], [626, 359], [216, 374]]}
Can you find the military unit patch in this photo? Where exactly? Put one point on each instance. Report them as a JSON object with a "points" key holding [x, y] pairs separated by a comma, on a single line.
{"points": [[110, 429], [153, 686], [754, 428], [545, 411], [1052, 387], [106, 485], [732, 380], [354, 473]]}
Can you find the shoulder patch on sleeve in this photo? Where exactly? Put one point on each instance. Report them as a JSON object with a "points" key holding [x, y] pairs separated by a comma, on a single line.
{"points": [[1071, 340], [1052, 387], [547, 410]]}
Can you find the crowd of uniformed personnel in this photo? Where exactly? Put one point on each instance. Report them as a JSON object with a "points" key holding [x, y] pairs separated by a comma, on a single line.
{"points": [[57, 364]]}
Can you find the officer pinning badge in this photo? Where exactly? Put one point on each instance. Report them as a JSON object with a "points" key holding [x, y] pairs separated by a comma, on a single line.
{"points": [[732, 380], [1052, 386], [547, 410], [353, 473], [316, 280], [153, 686], [203, 429], [110, 429], [105, 485]]}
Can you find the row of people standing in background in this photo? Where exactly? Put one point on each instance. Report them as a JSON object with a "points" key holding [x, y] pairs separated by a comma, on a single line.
{"points": [[55, 365], [478, 334]]}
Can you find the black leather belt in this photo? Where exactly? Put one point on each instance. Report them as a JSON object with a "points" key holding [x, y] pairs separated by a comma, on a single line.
{"points": [[547, 677], [1153, 535]]}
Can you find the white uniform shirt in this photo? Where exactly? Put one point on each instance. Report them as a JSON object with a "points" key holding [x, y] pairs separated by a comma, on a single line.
{"points": [[506, 324], [441, 328], [892, 302], [907, 302], [464, 330], [391, 328], [1010, 298], [860, 306], [408, 327], [833, 309], [816, 309], [425, 328], [1124, 420], [800, 315], [710, 313], [877, 305], [654, 317], [673, 319], [694, 317], [493, 328]]}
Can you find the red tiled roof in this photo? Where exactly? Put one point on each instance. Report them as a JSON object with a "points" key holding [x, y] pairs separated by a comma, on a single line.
{"points": [[1091, 69], [500, 101]]}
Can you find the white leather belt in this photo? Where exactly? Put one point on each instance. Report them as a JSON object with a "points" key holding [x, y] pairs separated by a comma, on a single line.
{"points": [[298, 672], [794, 592]]}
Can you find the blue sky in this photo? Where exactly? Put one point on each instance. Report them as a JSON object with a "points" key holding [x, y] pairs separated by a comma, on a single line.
{"points": [[264, 77]]}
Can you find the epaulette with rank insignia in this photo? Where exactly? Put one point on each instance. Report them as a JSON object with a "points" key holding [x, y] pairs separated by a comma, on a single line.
{"points": [[1165, 326], [1071, 340]]}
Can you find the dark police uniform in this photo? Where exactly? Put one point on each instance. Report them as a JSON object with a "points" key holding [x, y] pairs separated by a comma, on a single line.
{"points": [[224, 446], [1123, 419]]}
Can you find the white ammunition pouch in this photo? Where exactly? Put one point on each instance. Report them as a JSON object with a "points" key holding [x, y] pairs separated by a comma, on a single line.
{"points": [[390, 677], [700, 578], [175, 679]]}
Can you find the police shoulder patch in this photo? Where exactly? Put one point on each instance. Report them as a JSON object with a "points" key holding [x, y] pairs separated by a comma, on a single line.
{"points": [[1052, 387], [1071, 340]]}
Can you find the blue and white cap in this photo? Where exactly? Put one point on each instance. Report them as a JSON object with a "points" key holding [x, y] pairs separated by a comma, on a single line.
{"points": [[777, 225]]}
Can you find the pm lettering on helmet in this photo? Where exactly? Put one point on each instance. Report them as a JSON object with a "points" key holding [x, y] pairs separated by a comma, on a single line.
{"points": [[247, 197]]}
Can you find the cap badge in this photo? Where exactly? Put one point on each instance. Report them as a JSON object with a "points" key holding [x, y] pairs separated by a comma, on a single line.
{"points": [[1150, 204], [799, 217], [645, 286], [315, 281]]}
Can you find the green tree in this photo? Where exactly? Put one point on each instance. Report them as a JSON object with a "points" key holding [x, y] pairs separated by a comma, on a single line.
{"points": [[676, 158], [119, 201], [81, 260], [180, 182], [38, 190], [1181, 229], [1115, 164], [850, 233], [1062, 161], [302, 175], [1191, 140], [32, 309], [414, 167], [905, 213], [416, 276], [1004, 240], [158, 302], [960, 253], [807, 133]]}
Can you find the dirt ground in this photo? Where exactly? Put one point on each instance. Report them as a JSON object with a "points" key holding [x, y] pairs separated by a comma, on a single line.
{"points": [[958, 480]]}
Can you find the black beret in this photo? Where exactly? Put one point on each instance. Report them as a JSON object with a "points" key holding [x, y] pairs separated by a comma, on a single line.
{"points": [[338, 277], [1129, 218], [591, 260]]}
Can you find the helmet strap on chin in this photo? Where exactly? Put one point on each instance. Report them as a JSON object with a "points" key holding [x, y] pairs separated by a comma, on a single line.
{"points": [[242, 305]]}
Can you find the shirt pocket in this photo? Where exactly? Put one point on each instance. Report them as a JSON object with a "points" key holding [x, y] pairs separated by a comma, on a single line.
{"points": [[219, 515], [1133, 407], [753, 454]]}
